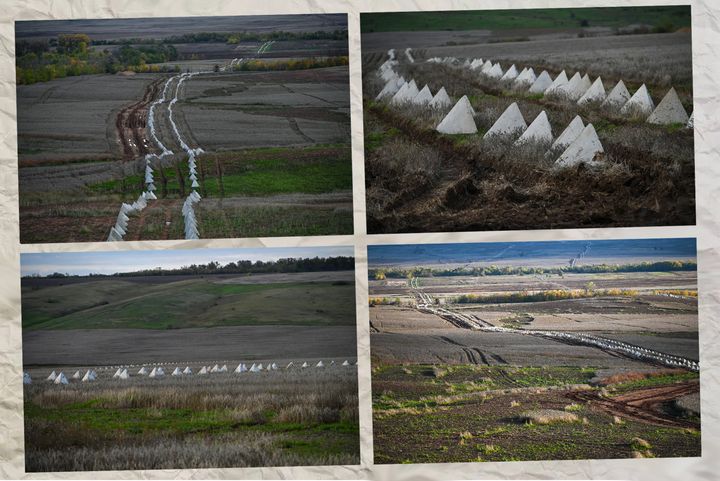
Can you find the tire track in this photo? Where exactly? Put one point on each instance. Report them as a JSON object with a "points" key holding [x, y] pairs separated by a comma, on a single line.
{"points": [[644, 405]]}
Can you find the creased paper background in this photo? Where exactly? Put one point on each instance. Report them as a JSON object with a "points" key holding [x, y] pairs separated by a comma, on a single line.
{"points": [[706, 65]]}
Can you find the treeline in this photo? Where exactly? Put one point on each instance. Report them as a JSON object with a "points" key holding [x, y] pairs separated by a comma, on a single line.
{"points": [[301, 64], [280, 266], [70, 55], [541, 296], [230, 37], [662, 266]]}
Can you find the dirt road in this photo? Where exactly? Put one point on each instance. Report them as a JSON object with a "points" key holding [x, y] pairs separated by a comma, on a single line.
{"points": [[646, 405], [131, 123]]}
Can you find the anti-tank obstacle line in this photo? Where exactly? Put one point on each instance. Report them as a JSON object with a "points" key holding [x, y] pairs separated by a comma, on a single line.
{"points": [[623, 348]]}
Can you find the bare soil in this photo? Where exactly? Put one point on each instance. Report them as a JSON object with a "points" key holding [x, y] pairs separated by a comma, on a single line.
{"points": [[92, 347]]}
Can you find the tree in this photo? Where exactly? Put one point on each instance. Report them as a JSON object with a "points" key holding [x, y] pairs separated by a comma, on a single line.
{"points": [[73, 44]]}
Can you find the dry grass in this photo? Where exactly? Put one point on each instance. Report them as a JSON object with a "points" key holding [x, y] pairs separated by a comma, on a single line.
{"points": [[222, 420], [192, 452], [548, 416]]}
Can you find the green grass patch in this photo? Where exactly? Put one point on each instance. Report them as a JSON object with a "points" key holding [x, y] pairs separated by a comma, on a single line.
{"points": [[273, 176]]}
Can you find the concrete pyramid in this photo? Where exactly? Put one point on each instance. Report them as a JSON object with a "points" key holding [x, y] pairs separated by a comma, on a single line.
{"points": [[93, 375], [215, 368], [539, 131], [559, 81], [160, 372], [568, 136], [117, 373], [525, 79], [268, 367], [486, 66], [691, 121], [223, 368], [77, 375], [305, 364], [573, 90], [459, 120], [640, 103], [669, 111], [143, 371], [124, 375], [88, 377], [274, 367], [320, 364], [495, 72], [424, 97], [596, 93], [61, 379], [390, 89], [240, 368], [441, 99], [406, 93], [260, 366], [541, 84], [618, 96], [511, 73], [510, 122], [26, 378], [583, 149], [475, 64], [290, 364], [187, 370], [153, 373], [255, 368], [345, 363], [52, 376], [177, 372], [203, 371]]}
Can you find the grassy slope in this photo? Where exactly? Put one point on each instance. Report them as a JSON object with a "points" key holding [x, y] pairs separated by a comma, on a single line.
{"points": [[188, 303], [677, 16]]}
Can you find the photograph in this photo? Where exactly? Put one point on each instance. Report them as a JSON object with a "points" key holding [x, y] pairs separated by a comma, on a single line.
{"points": [[183, 128], [534, 351], [493, 120], [185, 359]]}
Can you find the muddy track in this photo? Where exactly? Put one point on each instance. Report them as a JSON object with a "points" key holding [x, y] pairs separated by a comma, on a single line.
{"points": [[645, 405], [131, 123]]}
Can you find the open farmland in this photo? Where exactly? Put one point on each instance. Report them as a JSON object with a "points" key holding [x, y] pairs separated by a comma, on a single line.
{"points": [[502, 367], [259, 129], [202, 366], [421, 178]]}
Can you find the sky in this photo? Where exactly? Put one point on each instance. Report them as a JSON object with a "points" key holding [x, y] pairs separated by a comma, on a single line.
{"points": [[83, 263], [536, 253]]}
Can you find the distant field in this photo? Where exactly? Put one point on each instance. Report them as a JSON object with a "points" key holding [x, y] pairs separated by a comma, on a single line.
{"points": [[164, 27], [203, 302], [536, 18]]}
